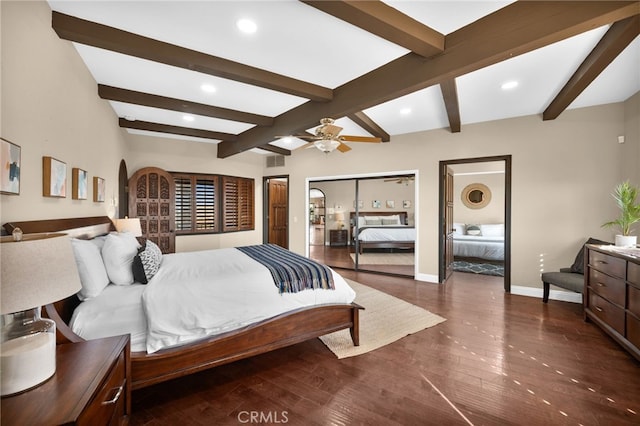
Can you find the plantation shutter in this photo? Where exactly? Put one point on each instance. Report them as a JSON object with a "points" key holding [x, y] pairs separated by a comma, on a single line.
{"points": [[238, 204], [184, 210], [206, 206]]}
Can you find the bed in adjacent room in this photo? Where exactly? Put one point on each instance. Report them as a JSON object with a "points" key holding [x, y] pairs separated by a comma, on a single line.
{"points": [[478, 242], [388, 230], [186, 312]]}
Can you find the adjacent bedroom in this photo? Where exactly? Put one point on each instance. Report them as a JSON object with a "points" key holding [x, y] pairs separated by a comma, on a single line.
{"points": [[478, 218]]}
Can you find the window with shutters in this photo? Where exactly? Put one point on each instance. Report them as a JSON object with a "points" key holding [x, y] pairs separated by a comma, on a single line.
{"points": [[213, 203]]}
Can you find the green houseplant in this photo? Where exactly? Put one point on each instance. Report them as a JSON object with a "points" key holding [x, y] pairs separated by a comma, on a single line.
{"points": [[625, 195]]}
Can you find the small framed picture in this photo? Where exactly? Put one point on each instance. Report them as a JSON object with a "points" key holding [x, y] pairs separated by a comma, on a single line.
{"points": [[54, 178], [79, 184], [406, 204], [376, 204], [391, 204], [10, 172], [98, 189], [360, 204]]}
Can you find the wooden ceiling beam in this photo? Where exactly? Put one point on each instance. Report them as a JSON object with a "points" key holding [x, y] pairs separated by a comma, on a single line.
{"points": [[616, 39], [109, 38], [364, 121], [449, 91], [145, 99], [176, 130], [513, 30], [387, 22]]}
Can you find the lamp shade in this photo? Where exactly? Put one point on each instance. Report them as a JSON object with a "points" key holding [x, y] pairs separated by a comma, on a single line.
{"points": [[38, 270], [339, 216], [129, 225]]}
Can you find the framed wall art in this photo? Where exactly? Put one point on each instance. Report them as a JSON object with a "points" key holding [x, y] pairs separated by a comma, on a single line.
{"points": [[391, 204], [10, 172], [406, 204], [376, 204], [79, 184], [98, 189], [54, 178]]}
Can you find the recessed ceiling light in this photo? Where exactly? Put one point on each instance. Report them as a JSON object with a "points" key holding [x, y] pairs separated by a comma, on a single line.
{"points": [[188, 118], [509, 85], [287, 140], [209, 88], [405, 111], [247, 26]]}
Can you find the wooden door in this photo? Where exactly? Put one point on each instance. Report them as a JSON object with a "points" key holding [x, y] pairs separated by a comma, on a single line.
{"points": [[152, 199], [448, 223], [278, 213]]}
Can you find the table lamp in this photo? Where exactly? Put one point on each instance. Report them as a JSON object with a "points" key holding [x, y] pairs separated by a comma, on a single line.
{"points": [[36, 269], [129, 225], [340, 219]]}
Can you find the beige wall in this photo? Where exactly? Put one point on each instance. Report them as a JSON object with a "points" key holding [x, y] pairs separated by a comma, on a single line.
{"points": [[563, 170], [50, 107], [467, 174]]}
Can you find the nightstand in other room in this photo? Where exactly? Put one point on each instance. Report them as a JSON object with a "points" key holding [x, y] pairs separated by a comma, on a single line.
{"points": [[91, 386], [337, 237]]}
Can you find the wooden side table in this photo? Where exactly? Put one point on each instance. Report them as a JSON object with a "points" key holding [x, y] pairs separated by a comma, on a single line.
{"points": [[91, 386], [338, 237]]}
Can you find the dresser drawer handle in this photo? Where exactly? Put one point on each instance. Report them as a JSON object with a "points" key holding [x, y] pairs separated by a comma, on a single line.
{"points": [[599, 309], [601, 284], [604, 262], [115, 397]]}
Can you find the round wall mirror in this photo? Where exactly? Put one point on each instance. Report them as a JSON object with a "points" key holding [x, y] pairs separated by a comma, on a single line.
{"points": [[476, 195]]}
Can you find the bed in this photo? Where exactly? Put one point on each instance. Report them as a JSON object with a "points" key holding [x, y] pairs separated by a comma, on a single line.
{"points": [[386, 230], [176, 356], [478, 242]]}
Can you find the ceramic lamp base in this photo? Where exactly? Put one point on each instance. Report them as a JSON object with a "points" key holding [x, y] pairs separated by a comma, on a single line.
{"points": [[28, 351]]}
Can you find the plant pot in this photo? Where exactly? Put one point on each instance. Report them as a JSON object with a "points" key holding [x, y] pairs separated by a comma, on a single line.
{"points": [[626, 240]]}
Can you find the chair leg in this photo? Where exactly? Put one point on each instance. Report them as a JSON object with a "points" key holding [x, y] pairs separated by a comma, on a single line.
{"points": [[545, 292]]}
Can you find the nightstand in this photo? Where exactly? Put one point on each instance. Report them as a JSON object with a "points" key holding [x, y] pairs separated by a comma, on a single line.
{"points": [[337, 237], [91, 386]]}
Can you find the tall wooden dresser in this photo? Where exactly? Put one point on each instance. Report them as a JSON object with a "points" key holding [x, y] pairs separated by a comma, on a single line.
{"points": [[612, 294]]}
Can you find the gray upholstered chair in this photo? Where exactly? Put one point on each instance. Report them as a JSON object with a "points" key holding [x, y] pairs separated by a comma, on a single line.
{"points": [[568, 278]]}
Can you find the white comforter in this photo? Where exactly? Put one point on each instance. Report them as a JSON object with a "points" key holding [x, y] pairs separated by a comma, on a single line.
{"points": [[194, 295], [483, 247], [390, 233]]}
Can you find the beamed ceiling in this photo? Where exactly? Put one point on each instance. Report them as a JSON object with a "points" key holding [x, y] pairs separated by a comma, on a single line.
{"points": [[379, 68]]}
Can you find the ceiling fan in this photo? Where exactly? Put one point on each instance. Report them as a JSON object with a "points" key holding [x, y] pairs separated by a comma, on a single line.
{"points": [[402, 180], [327, 138]]}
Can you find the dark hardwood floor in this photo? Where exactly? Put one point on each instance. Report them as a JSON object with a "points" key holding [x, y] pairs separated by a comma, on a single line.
{"points": [[499, 359], [339, 257]]}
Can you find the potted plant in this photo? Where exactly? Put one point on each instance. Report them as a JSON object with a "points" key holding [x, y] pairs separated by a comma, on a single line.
{"points": [[625, 195]]}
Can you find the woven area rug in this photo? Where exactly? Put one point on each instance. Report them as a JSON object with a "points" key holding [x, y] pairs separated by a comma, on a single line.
{"points": [[384, 258], [384, 320], [478, 268]]}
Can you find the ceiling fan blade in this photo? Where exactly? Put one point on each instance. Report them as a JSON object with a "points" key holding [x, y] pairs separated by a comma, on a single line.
{"points": [[343, 148], [349, 138]]}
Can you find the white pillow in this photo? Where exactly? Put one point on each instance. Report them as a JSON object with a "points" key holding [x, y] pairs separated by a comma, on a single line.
{"points": [[117, 253], [93, 275], [493, 230], [394, 217], [459, 228]]}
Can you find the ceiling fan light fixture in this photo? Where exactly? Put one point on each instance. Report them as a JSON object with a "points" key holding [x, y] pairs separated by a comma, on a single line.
{"points": [[326, 145]]}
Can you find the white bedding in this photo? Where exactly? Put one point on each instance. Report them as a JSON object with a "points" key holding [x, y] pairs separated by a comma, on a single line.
{"points": [[483, 247], [198, 294], [387, 233]]}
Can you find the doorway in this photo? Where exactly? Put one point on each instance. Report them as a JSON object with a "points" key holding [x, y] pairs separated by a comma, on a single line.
{"points": [[276, 210], [461, 230], [317, 201]]}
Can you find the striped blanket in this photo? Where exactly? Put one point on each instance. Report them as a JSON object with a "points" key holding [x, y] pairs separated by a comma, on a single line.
{"points": [[291, 272]]}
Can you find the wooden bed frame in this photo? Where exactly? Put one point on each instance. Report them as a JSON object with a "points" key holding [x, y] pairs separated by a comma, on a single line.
{"points": [[379, 244], [148, 369]]}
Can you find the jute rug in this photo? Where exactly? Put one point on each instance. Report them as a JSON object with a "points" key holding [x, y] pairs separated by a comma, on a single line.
{"points": [[384, 258], [384, 320]]}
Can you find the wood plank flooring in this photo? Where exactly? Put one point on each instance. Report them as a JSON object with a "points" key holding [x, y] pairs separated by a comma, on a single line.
{"points": [[499, 359]]}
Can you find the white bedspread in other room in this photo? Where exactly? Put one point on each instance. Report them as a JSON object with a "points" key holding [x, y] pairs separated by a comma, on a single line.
{"points": [[198, 294], [483, 247], [390, 233]]}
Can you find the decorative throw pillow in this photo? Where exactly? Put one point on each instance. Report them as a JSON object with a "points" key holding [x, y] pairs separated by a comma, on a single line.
{"points": [[93, 275], [373, 222], [389, 221], [118, 252], [147, 262], [473, 230], [578, 263]]}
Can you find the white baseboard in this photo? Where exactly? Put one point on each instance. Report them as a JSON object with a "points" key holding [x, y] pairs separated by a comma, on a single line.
{"points": [[427, 278], [564, 296]]}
